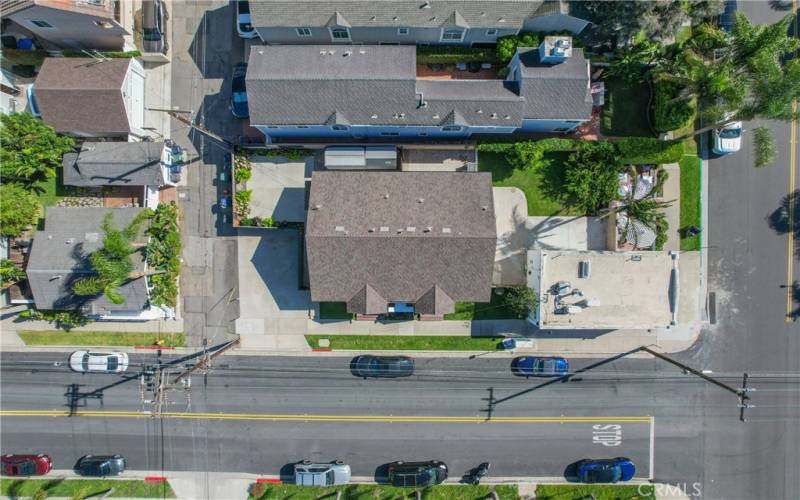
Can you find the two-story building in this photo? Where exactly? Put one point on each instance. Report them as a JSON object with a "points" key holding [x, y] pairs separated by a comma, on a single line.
{"points": [[406, 22], [375, 91]]}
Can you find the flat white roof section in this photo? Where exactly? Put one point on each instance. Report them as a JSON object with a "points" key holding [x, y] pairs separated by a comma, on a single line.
{"points": [[630, 290]]}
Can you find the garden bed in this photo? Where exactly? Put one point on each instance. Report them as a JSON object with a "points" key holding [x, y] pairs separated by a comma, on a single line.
{"points": [[84, 488], [595, 491], [626, 109], [469, 311], [690, 194], [334, 311], [266, 491]]}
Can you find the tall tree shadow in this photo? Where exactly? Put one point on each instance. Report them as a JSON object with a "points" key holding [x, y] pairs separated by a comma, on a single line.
{"points": [[786, 219]]}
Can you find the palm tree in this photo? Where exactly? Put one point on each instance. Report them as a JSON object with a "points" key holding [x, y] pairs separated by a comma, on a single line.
{"points": [[646, 210]]}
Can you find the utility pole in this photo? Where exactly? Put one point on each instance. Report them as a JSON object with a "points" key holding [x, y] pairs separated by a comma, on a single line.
{"points": [[178, 115], [740, 393]]}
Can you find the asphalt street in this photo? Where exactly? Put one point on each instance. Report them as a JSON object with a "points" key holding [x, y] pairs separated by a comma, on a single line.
{"points": [[751, 271]]}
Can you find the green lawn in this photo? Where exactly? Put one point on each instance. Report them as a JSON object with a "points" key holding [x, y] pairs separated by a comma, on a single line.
{"points": [[50, 190], [690, 193], [378, 492], [334, 310], [626, 109], [406, 343], [599, 492], [59, 337], [542, 186], [81, 488], [474, 311]]}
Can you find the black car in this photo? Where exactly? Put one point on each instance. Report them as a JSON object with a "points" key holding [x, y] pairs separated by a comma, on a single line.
{"points": [[239, 92], [417, 474], [382, 366], [101, 465]]}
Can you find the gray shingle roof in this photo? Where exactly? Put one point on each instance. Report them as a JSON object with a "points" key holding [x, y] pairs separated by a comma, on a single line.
{"points": [[401, 233], [297, 85], [400, 13], [115, 164], [556, 90], [59, 257], [83, 94]]}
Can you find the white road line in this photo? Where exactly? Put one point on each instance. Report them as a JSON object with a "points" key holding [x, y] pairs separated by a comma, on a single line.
{"points": [[652, 446]]}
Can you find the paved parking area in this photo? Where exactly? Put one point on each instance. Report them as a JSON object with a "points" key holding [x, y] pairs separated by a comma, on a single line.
{"points": [[279, 188], [273, 308]]}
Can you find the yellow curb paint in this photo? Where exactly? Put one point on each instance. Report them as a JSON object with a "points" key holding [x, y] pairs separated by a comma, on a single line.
{"points": [[329, 418]]}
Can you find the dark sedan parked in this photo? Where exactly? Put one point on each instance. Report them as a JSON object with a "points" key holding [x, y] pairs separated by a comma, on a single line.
{"points": [[239, 92], [417, 474], [382, 366], [101, 465], [606, 470]]}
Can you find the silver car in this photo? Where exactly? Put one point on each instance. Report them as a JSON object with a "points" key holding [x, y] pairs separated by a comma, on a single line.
{"points": [[330, 474]]}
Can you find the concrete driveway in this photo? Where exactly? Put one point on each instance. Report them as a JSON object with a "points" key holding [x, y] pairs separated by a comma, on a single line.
{"points": [[517, 233], [280, 187], [273, 308]]}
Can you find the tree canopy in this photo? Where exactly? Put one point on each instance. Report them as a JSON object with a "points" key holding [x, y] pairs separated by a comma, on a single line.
{"points": [[31, 150], [18, 210], [112, 263], [591, 176]]}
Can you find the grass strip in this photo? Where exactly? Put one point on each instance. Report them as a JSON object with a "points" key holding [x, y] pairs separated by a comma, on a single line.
{"points": [[406, 342], [690, 194], [265, 491], [82, 488], [78, 338], [495, 309], [334, 310], [596, 491]]}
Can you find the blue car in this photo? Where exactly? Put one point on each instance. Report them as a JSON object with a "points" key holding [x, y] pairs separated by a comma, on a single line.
{"points": [[239, 92], [529, 366], [609, 470]]}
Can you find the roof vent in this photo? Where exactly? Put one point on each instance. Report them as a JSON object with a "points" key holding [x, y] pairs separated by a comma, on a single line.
{"points": [[385, 196], [493, 116], [420, 200], [399, 230], [479, 111], [435, 117], [483, 14], [49, 236], [362, 51], [371, 230], [374, 117], [331, 52], [395, 18], [70, 241], [426, 5], [373, 18], [446, 230], [322, 52], [56, 277], [339, 229], [484, 208], [347, 53], [316, 207], [428, 229], [411, 229], [501, 19], [507, 117], [384, 229]]}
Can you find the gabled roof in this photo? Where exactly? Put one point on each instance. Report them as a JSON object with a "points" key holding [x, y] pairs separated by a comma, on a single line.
{"points": [[115, 164], [374, 85], [398, 13], [59, 257], [337, 20], [83, 94], [555, 90], [104, 9], [378, 237]]}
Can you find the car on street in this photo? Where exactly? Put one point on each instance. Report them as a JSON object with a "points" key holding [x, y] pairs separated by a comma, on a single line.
{"points": [[727, 139], [98, 362], [101, 465], [26, 465], [417, 474], [307, 473], [243, 21], [239, 92], [368, 365], [532, 366], [607, 470], [153, 26]]}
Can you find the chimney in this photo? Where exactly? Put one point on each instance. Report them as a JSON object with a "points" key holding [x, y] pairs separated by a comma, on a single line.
{"points": [[555, 49]]}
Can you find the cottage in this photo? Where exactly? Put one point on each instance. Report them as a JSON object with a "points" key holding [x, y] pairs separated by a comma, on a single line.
{"points": [[400, 241]]}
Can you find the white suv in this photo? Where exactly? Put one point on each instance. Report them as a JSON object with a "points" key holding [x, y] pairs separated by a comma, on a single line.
{"points": [[310, 474]]}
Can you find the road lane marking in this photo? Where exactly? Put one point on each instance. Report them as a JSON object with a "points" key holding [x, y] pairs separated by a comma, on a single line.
{"points": [[790, 240], [329, 418]]}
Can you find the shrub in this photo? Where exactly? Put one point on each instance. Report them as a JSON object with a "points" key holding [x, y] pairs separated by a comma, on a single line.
{"points": [[243, 202], [18, 210], [591, 177], [242, 169], [62, 319], [641, 150], [670, 115], [288, 153], [507, 45], [452, 55], [520, 299]]}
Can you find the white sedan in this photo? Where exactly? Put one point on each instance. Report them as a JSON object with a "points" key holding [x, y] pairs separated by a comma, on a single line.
{"points": [[98, 362], [728, 138]]}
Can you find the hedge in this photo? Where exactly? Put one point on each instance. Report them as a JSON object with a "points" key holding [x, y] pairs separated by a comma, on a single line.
{"points": [[507, 45], [670, 115], [452, 55], [641, 150]]}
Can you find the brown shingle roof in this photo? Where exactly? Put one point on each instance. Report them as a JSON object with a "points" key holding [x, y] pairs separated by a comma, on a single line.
{"points": [[83, 95], [418, 237]]}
